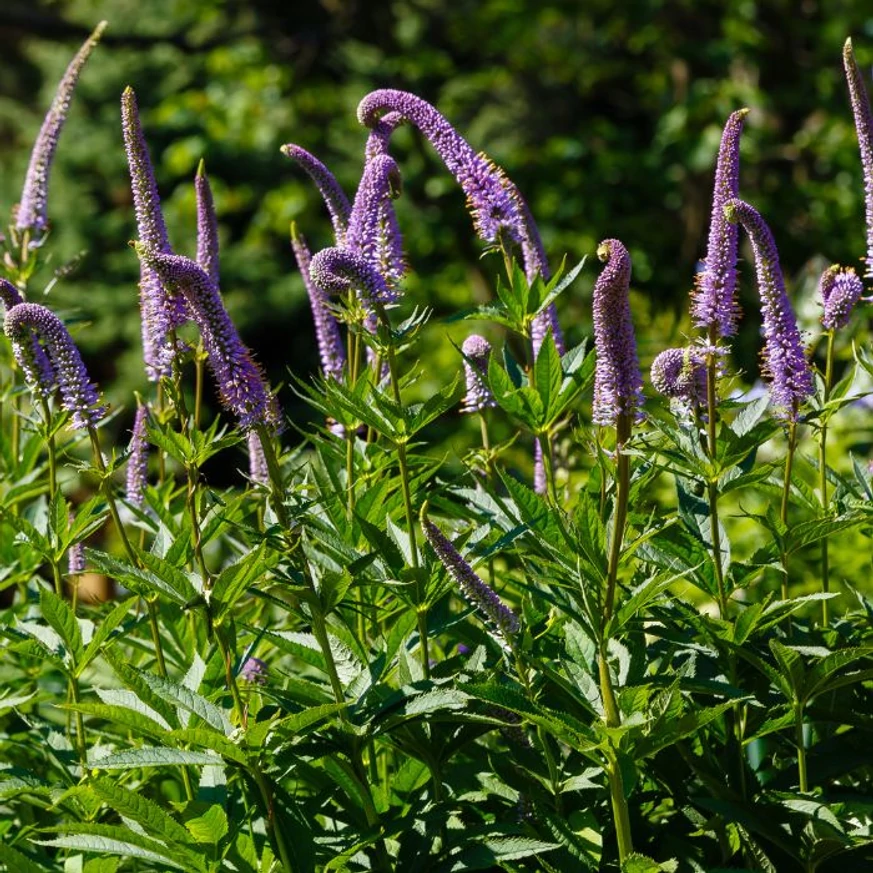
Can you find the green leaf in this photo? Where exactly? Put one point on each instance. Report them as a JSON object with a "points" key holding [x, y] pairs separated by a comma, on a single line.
{"points": [[548, 377], [233, 581], [207, 739], [179, 695], [61, 619], [210, 828], [103, 632], [136, 722], [154, 756], [158, 576], [17, 862]]}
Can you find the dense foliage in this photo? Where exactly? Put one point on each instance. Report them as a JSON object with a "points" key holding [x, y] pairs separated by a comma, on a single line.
{"points": [[629, 629]]}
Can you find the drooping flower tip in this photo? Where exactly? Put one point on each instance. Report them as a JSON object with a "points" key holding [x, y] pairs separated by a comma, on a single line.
{"points": [[138, 458], [618, 385], [32, 210], [840, 289], [479, 594], [335, 198], [254, 671], [337, 271], [78, 395], [680, 374], [477, 353]]}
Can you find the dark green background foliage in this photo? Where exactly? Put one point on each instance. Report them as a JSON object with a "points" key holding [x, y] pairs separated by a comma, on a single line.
{"points": [[606, 115]]}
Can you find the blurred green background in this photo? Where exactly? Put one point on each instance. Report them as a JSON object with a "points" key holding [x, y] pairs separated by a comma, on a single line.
{"points": [[607, 116]]}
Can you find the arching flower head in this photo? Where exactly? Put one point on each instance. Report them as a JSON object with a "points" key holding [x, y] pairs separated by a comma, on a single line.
{"points": [[477, 352], [840, 289], [34, 361], [334, 197], [138, 458], [78, 395], [32, 211], [241, 385], [207, 226], [785, 363], [714, 303], [681, 375], [336, 271], [618, 384]]}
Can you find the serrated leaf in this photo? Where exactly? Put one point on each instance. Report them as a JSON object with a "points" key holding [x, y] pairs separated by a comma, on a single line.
{"points": [[61, 619], [234, 580], [188, 700], [103, 632], [17, 862], [168, 580], [154, 756], [210, 828]]}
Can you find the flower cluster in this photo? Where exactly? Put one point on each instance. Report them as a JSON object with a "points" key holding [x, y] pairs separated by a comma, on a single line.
{"points": [[840, 289], [477, 353], [337, 271], [34, 361], [138, 458], [681, 375], [207, 226]]}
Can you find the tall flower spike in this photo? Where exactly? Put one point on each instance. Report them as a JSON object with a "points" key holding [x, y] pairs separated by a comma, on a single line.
{"points": [[840, 289], [864, 128], [617, 381], [160, 311], [34, 361], [327, 332], [336, 271], [714, 303], [32, 212], [258, 472], [680, 374], [207, 225], [138, 458], [474, 589], [78, 395], [477, 352], [785, 363], [241, 385], [334, 197]]}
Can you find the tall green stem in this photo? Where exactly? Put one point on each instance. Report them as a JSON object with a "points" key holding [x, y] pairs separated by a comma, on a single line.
{"points": [[622, 477], [548, 468], [823, 473], [786, 495], [712, 486], [801, 749]]}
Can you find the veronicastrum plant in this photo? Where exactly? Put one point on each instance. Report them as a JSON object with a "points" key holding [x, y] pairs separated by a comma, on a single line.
{"points": [[629, 655]]}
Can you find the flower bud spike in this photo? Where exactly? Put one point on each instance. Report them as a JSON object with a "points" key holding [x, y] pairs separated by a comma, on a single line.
{"points": [[207, 226], [477, 352], [138, 458], [840, 289], [864, 129]]}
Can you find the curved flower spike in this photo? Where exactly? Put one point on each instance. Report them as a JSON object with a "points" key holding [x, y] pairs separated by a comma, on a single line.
{"points": [[477, 352], [160, 311], [840, 289], [618, 385], [864, 129], [785, 363], [380, 134], [138, 458], [78, 395], [714, 303], [327, 333], [336, 271], [32, 212], [680, 374], [207, 225], [334, 197], [474, 589], [38, 369], [241, 384]]}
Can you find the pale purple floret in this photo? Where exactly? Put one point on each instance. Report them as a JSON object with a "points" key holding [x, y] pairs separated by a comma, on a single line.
{"points": [[35, 363], [161, 312], [477, 352], [372, 231], [138, 458], [840, 289], [714, 304], [681, 375], [475, 590], [327, 332], [258, 472], [785, 364], [241, 385], [336, 271], [864, 128], [254, 670], [334, 197], [78, 396], [617, 381], [75, 554], [32, 211], [207, 226]]}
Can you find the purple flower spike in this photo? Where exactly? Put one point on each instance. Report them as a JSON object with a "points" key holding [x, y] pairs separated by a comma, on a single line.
{"points": [[161, 312], [785, 364], [477, 352], [714, 306], [75, 554], [334, 197], [380, 134], [327, 332], [32, 212], [864, 128], [840, 290], [241, 385], [258, 472], [254, 670], [138, 458], [336, 271], [37, 367], [680, 374], [207, 226], [474, 589], [78, 395], [617, 382]]}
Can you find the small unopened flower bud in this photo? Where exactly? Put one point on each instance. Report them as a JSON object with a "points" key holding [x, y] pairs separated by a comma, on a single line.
{"points": [[840, 290], [255, 671], [477, 352], [680, 374]]}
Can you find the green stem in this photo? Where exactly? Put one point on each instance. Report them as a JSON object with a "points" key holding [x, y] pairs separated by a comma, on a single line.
{"points": [[622, 474], [801, 749], [786, 494], [275, 834], [712, 486], [198, 384], [81, 744], [548, 468], [823, 475], [276, 483]]}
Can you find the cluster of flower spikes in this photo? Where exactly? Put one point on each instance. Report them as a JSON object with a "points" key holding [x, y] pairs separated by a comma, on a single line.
{"points": [[785, 364], [477, 353], [79, 397], [680, 374], [476, 591], [840, 289], [32, 211], [618, 385], [241, 385], [161, 311], [864, 129]]}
